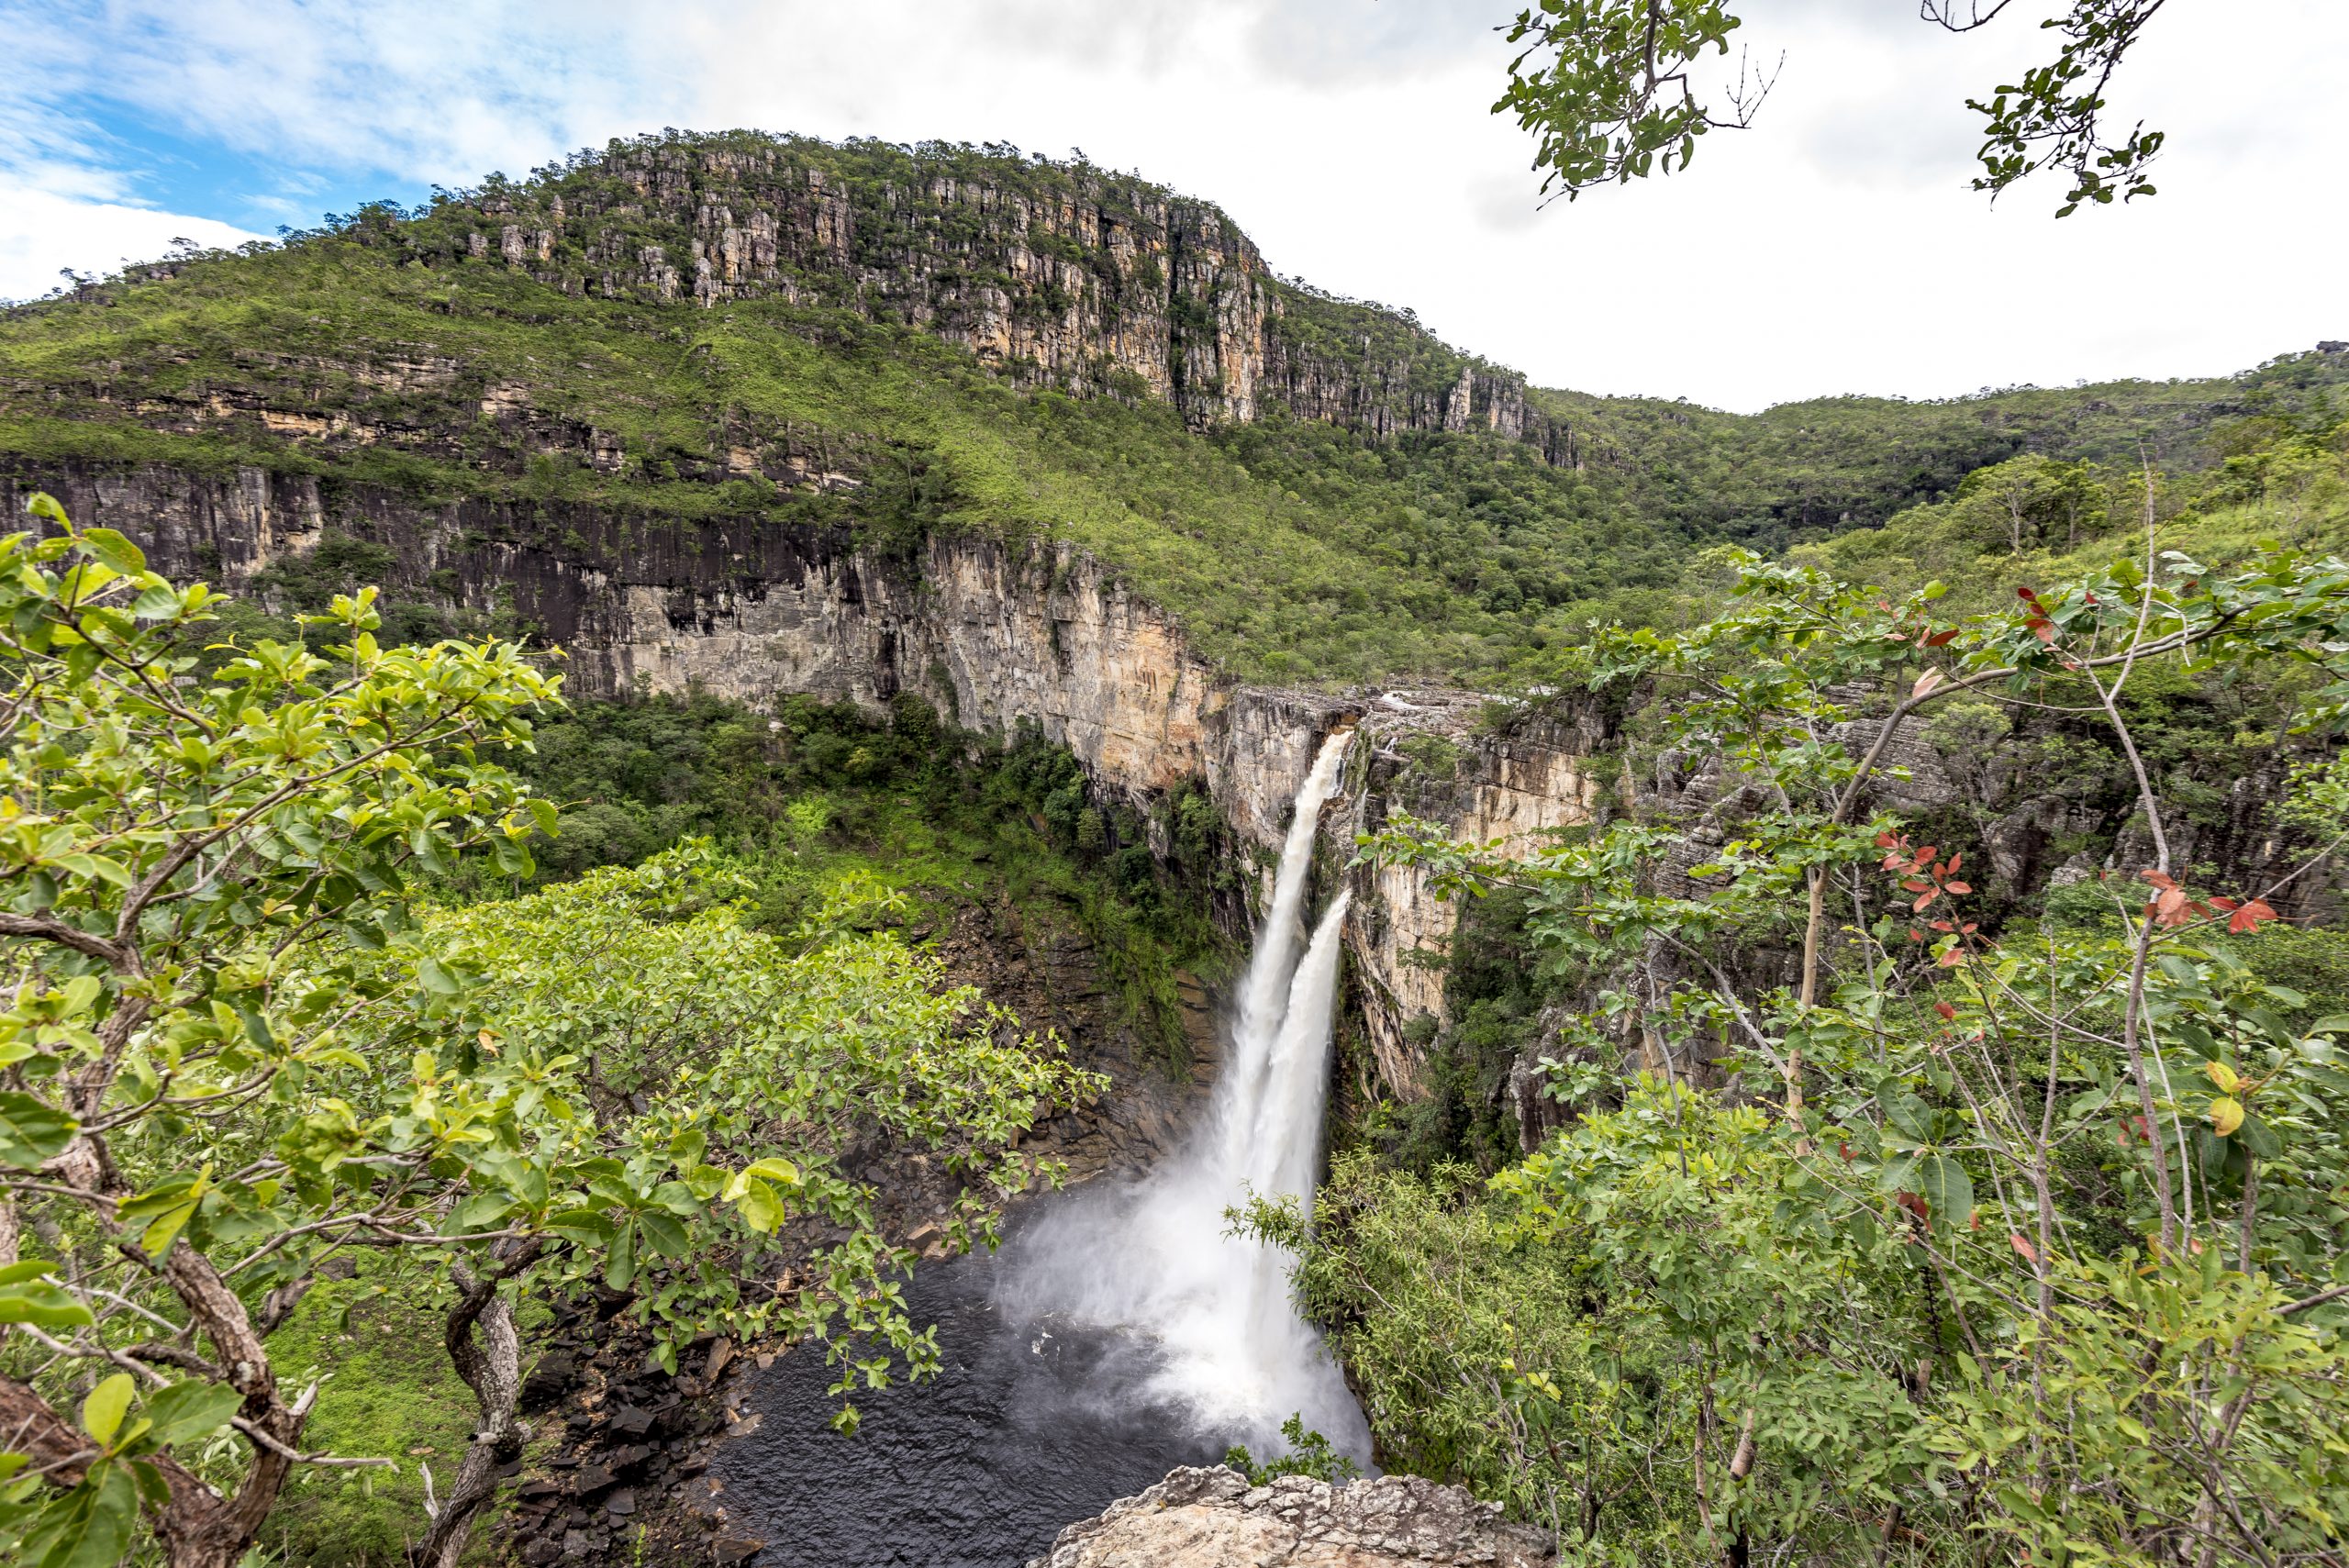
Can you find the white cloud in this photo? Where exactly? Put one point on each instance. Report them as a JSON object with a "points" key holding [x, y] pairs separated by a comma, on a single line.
{"points": [[45, 232], [1834, 248]]}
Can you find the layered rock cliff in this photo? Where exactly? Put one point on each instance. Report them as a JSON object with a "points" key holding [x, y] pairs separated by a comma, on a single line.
{"points": [[1073, 275], [996, 637]]}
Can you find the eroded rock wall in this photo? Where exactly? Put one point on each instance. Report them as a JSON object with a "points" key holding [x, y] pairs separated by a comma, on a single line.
{"points": [[995, 637]]}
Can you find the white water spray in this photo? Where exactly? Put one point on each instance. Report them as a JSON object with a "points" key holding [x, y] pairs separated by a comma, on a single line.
{"points": [[1151, 1254]]}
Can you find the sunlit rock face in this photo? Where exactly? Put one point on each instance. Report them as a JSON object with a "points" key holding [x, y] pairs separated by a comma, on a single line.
{"points": [[1213, 1519], [995, 637]]}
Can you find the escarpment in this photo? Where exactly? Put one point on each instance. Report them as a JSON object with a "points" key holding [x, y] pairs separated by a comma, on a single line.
{"points": [[999, 637], [1072, 276], [995, 637]]}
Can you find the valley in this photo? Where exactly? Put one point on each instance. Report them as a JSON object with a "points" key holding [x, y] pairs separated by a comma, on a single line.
{"points": [[1000, 619]]}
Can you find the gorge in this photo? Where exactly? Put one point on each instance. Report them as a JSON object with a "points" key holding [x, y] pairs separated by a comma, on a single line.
{"points": [[992, 601]]}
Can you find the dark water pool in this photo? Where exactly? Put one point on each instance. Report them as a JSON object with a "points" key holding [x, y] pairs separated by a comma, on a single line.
{"points": [[1031, 1425]]}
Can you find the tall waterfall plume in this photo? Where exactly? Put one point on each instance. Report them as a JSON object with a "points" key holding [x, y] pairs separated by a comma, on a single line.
{"points": [[1153, 1253]]}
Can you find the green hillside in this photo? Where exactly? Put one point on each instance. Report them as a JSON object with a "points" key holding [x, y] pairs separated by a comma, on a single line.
{"points": [[381, 352]]}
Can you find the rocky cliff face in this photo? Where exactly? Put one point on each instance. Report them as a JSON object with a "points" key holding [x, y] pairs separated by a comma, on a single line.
{"points": [[995, 637], [1077, 276], [1213, 1519]]}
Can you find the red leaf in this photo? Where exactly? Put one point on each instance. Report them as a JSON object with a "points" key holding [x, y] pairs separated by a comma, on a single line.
{"points": [[1885, 840], [1946, 1010], [1955, 861], [1969, 927], [1915, 885], [1924, 854], [1957, 887], [2170, 908], [1845, 1150], [2016, 1239], [2248, 918], [2159, 879], [1974, 1220], [1942, 638], [1913, 1203], [1943, 926], [2026, 594], [1915, 935], [1890, 861], [1952, 959], [2044, 631], [1926, 897]]}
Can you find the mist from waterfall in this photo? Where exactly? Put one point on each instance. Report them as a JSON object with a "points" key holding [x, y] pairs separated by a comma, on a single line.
{"points": [[1151, 1254]]}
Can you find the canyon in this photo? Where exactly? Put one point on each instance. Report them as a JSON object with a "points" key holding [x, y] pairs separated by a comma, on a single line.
{"points": [[995, 637]]}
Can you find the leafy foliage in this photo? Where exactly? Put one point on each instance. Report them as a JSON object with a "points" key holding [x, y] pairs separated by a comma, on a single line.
{"points": [[1610, 97], [2032, 1238], [237, 1048], [1309, 1454]]}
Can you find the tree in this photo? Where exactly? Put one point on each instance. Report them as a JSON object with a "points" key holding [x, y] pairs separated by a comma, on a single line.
{"points": [[2030, 1236], [1605, 85], [234, 1050]]}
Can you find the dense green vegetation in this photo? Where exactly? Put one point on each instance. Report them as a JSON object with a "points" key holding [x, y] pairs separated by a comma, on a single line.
{"points": [[1895, 1215], [328, 941], [254, 1038], [1290, 549]]}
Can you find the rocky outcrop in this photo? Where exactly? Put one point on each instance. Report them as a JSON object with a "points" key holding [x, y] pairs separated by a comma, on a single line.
{"points": [[1213, 1519], [1071, 275], [996, 638]]}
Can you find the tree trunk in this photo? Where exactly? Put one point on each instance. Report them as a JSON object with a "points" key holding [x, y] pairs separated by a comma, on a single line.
{"points": [[488, 1356]]}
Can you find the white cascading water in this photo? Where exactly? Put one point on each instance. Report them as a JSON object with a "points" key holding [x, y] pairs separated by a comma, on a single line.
{"points": [[1153, 1254]]}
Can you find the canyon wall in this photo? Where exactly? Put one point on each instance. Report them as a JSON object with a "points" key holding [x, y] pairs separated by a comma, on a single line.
{"points": [[995, 637], [1068, 274]]}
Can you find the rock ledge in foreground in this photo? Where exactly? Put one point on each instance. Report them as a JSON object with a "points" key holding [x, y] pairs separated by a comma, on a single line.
{"points": [[1213, 1519]]}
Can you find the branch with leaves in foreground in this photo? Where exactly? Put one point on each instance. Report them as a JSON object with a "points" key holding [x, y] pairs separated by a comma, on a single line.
{"points": [[2044, 1244], [235, 1048]]}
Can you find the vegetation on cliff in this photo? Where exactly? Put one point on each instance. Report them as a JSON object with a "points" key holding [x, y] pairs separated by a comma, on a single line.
{"points": [[240, 1051], [1359, 524], [1889, 1220]]}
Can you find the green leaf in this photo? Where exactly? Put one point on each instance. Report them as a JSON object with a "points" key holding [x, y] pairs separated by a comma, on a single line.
{"points": [[436, 978], [775, 1169], [585, 1226], [664, 1233], [1942, 1183], [165, 1210], [87, 1528], [43, 1303], [1905, 1111], [113, 548], [619, 1266], [189, 1410], [102, 1412], [157, 602], [30, 1131], [761, 1209]]}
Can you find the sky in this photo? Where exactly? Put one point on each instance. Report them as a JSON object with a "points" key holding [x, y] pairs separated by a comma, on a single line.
{"points": [[1834, 248]]}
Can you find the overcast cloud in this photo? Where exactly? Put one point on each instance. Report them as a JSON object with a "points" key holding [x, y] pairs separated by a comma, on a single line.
{"points": [[1833, 249]]}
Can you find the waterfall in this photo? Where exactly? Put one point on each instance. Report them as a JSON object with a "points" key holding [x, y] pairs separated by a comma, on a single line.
{"points": [[1151, 1254]]}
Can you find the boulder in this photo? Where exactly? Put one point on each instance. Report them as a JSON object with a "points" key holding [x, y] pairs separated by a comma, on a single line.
{"points": [[1213, 1519]]}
